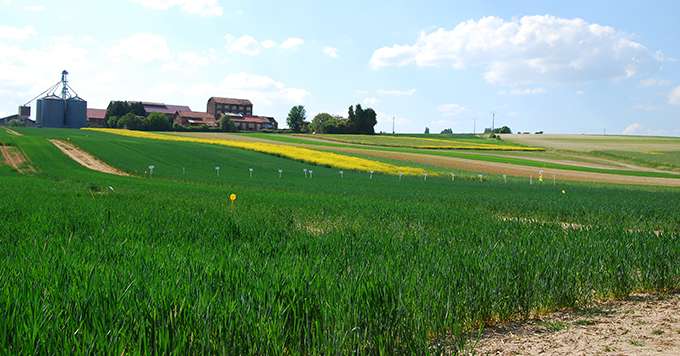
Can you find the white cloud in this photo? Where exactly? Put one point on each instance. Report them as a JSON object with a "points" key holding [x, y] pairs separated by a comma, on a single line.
{"points": [[451, 110], [34, 8], [251, 46], [330, 52], [246, 45], [524, 91], [580, 92], [16, 33], [674, 96], [531, 49], [292, 42], [632, 129], [654, 82], [258, 88], [195, 7], [268, 44], [140, 47], [396, 92], [370, 101]]}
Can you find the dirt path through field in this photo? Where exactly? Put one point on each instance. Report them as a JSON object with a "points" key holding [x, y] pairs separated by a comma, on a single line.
{"points": [[85, 159], [638, 325], [12, 132], [16, 159]]}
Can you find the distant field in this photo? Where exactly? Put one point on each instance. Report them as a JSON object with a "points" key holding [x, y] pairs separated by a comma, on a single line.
{"points": [[433, 142], [656, 152]]}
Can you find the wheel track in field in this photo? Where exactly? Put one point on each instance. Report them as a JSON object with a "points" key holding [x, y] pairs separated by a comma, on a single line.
{"points": [[85, 159], [14, 158]]}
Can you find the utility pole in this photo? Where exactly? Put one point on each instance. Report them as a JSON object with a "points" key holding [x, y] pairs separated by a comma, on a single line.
{"points": [[392, 124], [493, 121], [474, 126]]}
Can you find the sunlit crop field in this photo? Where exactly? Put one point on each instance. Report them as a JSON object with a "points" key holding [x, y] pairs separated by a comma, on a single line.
{"points": [[300, 264], [440, 142]]}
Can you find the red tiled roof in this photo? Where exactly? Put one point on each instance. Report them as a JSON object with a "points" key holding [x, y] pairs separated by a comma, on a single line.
{"points": [[231, 101], [196, 115], [96, 114]]}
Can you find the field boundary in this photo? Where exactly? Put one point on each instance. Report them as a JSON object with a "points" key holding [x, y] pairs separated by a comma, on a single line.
{"points": [[85, 159]]}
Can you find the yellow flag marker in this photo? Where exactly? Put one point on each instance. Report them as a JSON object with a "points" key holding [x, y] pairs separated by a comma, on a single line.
{"points": [[232, 199]]}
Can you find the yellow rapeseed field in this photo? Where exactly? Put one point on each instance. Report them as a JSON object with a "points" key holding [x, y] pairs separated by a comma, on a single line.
{"points": [[297, 153]]}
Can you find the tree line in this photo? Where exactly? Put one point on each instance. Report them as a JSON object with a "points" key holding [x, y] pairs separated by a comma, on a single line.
{"points": [[358, 121]]}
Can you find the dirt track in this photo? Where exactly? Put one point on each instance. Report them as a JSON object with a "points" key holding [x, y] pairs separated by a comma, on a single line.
{"points": [[12, 132], [15, 159], [640, 325], [85, 159]]}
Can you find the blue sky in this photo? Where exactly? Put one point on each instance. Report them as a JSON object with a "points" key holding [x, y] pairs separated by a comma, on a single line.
{"points": [[576, 67]]}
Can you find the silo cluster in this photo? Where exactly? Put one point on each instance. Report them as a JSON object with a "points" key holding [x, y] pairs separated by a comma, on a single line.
{"points": [[54, 111]]}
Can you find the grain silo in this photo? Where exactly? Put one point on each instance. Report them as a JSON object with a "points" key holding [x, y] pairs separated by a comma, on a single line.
{"points": [[50, 112], [68, 110], [76, 113]]}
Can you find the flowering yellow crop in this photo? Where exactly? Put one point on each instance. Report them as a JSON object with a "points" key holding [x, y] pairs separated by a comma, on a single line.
{"points": [[422, 143], [297, 153]]}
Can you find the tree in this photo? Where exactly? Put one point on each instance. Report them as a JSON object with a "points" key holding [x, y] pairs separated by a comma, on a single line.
{"points": [[368, 122], [323, 123], [447, 132], [226, 124], [131, 121], [157, 122], [112, 121], [427, 130], [296, 118]]}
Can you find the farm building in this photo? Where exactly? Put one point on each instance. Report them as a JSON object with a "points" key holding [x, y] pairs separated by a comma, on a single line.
{"points": [[218, 106], [17, 119], [96, 117], [254, 123], [194, 119], [168, 110]]}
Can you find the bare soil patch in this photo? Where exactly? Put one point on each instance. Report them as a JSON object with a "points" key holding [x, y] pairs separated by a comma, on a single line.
{"points": [[12, 132], [16, 159], [643, 324], [85, 159]]}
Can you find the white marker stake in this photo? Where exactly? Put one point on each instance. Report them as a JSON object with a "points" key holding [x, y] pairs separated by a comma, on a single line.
{"points": [[400, 175], [250, 172], [151, 167], [505, 179], [425, 177], [371, 176], [481, 178], [342, 174], [280, 172], [453, 177], [305, 170], [531, 180], [310, 173], [217, 169]]}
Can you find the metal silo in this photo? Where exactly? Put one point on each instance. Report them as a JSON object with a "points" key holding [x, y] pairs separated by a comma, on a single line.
{"points": [[76, 113], [51, 110]]}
